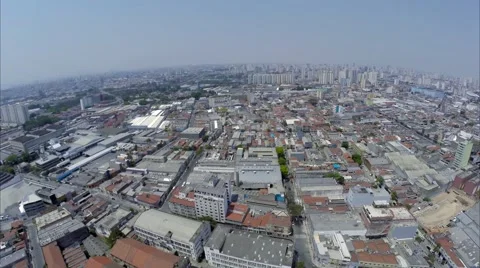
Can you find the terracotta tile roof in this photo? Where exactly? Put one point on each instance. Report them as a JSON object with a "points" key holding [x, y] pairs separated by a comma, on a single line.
{"points": [[21, 264], [447, 246], [261, 221], [53, 256], [101, 262], [17, 224], [237, 212], [314, 200], [182, 201], [377, 258], [151, 199], [140, 255]]}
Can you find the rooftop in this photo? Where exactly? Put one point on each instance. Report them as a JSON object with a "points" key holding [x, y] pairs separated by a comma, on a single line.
{"points": [[251, 246], [330, 222], [48, 218], [53, 256], [161, 223], [139, 255], [101, 262]]}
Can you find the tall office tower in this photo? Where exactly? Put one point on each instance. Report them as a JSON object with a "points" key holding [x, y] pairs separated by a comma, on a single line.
{"points": [[212, 199], [395, 82], [372, 78], [462, 155], [14, 113], [342, 75], [330, 77]]}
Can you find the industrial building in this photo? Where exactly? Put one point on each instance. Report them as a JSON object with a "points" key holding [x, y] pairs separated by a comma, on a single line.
{"points": [[51, 218], [132, 253], [14, 114], [33, 140], [228, 247], [47, 161], [112, 141], [329, 223], [152, 121], [171, 232], [193, 133], [361, 196], [65, 233]]}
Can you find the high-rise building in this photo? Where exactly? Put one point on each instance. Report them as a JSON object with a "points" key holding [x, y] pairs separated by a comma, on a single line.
{"points": [[330, 78], [14, 113], [212, 199], [462, 155], [372, 78]]}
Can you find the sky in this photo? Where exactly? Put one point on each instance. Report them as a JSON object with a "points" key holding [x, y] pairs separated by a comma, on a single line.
{"points": [[43, 40]]}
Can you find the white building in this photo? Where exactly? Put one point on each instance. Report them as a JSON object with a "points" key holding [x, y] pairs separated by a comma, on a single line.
{"points": [[171, 232], [212, 199], [14, 113], [464, 149], [31, 205], [228, 247]]}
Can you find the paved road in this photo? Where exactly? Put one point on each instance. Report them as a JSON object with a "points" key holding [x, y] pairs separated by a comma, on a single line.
{"points": [[182, 179], [36, 254], [302, 245], [118, 201]]}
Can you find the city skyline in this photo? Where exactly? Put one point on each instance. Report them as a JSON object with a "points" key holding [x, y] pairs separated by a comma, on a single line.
{"points": [[440, 36]]}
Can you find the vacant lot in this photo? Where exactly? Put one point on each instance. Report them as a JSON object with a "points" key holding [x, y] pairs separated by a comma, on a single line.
{"points": [[445, 207]]}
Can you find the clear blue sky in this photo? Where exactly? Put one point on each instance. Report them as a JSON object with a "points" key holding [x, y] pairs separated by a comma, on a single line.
{"points": [[56, 38]]}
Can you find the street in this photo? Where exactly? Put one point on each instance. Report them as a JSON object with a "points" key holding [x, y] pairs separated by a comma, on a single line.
{"points": [[181, 180], [36, 253]]}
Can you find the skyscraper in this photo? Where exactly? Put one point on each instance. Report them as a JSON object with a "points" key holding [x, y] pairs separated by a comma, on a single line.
{"points": [[14, 113], [462, 155]]}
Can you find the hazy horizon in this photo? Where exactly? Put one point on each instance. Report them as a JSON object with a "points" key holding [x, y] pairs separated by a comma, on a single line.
{"points": [[57, 39]]}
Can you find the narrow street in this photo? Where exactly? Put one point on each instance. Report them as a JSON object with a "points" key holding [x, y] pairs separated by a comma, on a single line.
{"points": [[35, 250]]}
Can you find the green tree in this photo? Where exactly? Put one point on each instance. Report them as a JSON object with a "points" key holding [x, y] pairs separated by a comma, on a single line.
{"points": [[282, 161], [280, 152], [357, 158], [212, 222], [380, 181], [143, 102], [337, 176], [284, 171], [394, 196], [345, 144], [115, 234], [12, 159], [199, 150], [7, 169], [300, 264], [205, 138], [294, 209], [427, 199]]}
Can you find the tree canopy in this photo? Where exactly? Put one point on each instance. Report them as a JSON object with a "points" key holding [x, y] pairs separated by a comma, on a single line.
{"points": [[357, 158]]}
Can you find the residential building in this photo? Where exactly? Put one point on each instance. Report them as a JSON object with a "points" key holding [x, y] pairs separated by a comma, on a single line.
{"points": [[193, 133], [212, 198], [374, 253], [172, 232], [182, 202], [134, 254], [331, 249], [228, 247], [462, 155]]}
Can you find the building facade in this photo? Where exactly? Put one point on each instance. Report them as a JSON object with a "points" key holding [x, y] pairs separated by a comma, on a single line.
{"points": [[176, 234]]}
